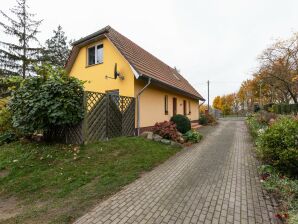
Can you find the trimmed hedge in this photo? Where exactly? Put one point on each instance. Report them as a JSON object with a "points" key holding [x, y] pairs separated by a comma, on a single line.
{"points": [[284, 108]]}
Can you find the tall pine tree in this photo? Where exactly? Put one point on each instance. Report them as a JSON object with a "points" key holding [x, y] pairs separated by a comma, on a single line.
{"points": [[16, 58], [57, 48]]}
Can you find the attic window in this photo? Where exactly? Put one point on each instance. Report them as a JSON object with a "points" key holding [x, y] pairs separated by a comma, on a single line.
{"points": [[176, 76], [95, 54]]}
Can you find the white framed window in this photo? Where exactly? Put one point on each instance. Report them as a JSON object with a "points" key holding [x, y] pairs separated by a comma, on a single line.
{"points": [[95, 54]]}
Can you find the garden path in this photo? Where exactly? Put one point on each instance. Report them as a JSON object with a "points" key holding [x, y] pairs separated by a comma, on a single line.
{"points": [[215, 181]]}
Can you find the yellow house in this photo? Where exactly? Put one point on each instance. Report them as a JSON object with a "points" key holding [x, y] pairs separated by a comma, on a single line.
{"points": [[160, 90]]}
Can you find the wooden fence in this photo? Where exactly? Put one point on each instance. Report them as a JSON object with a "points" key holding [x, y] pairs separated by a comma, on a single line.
{"points": [[106, 116]]}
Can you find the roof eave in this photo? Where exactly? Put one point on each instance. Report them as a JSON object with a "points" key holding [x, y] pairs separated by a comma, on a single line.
{"points": [[176, 89]]}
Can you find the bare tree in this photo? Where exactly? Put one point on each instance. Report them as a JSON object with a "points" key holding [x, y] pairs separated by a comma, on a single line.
{"points": [[279, 67]]}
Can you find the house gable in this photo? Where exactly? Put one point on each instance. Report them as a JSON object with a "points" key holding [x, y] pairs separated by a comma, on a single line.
{"points": [[141, 62]]}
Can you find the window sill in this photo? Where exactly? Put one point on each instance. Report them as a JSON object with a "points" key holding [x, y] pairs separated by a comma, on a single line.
{"points": [[88, 66]]}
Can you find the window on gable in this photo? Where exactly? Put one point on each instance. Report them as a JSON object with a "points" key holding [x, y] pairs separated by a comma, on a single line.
{"points": [[99, 53], [95, 54], [189, 107], [166, 105], [91, 56]]}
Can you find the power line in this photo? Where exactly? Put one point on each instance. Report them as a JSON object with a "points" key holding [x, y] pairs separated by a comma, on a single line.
{"points": [[218, 82]]}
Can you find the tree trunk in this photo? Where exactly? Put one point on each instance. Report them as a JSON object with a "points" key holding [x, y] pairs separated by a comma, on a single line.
{"points": [[24, 43]]}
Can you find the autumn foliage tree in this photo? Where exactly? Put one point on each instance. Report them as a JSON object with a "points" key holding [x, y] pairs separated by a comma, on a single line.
{"points": [[228, 104], [276, 79], [217, 103]]}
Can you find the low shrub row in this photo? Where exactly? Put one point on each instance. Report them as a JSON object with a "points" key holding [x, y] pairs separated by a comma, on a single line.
{"points": [[206, 119], [276, 141], [277, 146]]}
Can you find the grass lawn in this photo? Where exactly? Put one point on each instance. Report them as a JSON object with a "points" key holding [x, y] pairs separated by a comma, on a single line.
{"points": [[46, 183]]}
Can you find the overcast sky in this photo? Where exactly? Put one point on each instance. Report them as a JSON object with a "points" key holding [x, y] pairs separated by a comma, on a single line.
{"points": [[217, 40]]}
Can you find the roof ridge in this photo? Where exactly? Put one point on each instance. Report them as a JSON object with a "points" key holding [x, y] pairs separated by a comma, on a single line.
{"points": [[99, 32], [141, 48]]}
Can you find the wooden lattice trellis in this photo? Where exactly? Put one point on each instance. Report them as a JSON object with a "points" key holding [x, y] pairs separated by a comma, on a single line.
{"points": [[106, 116]]}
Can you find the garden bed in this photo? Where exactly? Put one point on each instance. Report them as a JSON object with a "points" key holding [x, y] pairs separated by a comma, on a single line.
{"points": [[58, 183]]}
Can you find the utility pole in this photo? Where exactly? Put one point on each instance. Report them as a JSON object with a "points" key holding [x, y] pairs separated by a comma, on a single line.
{"points": [[208, 82]]}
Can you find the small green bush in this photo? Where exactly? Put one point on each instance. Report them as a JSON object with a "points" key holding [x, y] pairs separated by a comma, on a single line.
{"points": [[210, 119], [182, 123], [5, 120], [192, 136], [278, 145], [203, 120], [7, 138]]}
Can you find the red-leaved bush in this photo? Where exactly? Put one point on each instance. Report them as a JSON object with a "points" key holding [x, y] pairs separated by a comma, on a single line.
{"points": [[167, 130]]}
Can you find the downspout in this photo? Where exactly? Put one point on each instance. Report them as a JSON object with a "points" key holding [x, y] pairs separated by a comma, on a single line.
{"points": [[138, 105], [202, 103], [200, 106]]}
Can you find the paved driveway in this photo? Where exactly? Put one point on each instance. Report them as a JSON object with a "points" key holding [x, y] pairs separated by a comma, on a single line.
{"points": [[215, 181]]}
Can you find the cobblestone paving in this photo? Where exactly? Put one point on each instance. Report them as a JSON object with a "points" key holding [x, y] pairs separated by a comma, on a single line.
{"points": [[215, 181]]}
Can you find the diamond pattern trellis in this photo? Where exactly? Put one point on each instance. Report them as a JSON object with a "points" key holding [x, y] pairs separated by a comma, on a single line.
{"points": [[106, 116]]}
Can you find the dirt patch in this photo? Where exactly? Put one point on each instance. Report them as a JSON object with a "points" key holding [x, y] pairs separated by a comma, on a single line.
{"points": [[3, 173], [9, 207]]}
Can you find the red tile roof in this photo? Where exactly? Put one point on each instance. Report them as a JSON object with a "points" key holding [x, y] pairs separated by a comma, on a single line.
{"points": [[142, 61]]}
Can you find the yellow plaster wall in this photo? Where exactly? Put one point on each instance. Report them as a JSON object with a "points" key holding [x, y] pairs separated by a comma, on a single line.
{"points": [[95, 74], [152, 105], [152, 99]]}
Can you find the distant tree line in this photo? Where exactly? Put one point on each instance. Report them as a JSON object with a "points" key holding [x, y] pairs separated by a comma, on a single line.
{"points": [[21, 50]]}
